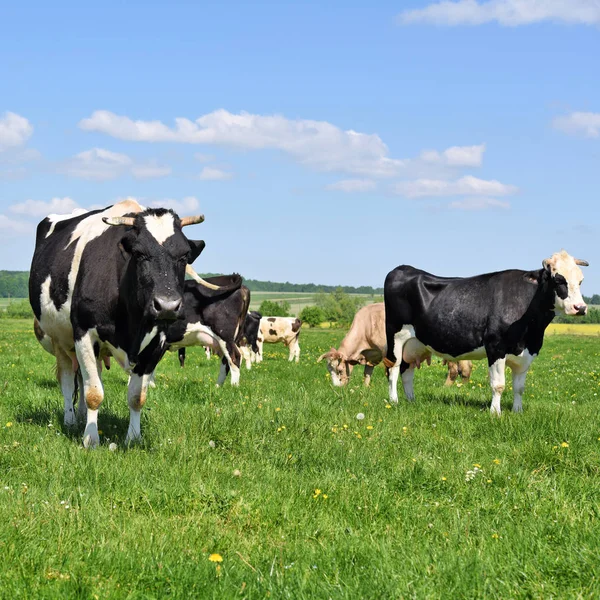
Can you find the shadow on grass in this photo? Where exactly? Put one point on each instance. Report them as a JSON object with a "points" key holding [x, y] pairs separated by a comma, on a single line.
{"points": [[110, 423], [455, 398]]}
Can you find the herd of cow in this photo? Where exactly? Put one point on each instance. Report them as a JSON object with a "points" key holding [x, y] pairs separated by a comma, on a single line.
{"points": [[111, 283]]}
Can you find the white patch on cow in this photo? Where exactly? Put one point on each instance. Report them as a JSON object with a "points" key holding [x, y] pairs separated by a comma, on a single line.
{"points": [[246, 356], [497, 383], [393, 384], [54, 218], [148, 338], [207, 352], [93, 392], [519, 366], [283, 332], [400, 338], [91, 439], [120, 356], [162, 227], [55, 322]]}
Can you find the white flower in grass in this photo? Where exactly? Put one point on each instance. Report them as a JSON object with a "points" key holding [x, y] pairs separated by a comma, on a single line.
{"points": [[360, 416], [112, 447], [212, 444]]}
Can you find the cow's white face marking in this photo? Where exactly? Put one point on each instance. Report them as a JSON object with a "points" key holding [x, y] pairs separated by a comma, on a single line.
{"points": [[568, 277], [161, 228]]}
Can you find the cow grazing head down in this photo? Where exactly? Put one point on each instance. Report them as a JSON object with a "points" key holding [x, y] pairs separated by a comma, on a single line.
{"points": [[566, 277], [339, 366], [157, 252]]}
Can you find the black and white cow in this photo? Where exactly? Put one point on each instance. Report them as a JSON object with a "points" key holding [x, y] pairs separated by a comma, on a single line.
{"points": [[109, 282], [248, 343], [214, 320], [500, 316]]}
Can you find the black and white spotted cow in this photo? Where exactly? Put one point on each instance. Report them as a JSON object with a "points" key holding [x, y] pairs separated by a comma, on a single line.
{"points": [[500, 316], [213, 319], [280, 329], [248, 343], [109, 282]]}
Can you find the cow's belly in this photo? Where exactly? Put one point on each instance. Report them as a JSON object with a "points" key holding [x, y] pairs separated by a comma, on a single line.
{"points": [[197, 334], [274, 339], [476, 354]]}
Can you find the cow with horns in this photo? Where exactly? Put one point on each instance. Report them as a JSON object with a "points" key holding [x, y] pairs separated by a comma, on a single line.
{"points": [[499, 316], [109, 283]]}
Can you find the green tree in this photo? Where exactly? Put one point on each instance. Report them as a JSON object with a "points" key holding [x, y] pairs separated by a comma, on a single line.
{"points": [[268, 308], [313, 315], [338, 306]]}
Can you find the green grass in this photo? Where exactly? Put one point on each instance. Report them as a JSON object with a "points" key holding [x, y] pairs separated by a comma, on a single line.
{"points": [[298, 300], [399, 520]]}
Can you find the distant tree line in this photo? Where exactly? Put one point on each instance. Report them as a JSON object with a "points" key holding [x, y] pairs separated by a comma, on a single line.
{"points": [[14, 284]]}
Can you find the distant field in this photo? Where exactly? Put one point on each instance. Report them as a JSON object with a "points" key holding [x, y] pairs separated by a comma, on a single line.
{"points": [[4, 302], [298, 300]]}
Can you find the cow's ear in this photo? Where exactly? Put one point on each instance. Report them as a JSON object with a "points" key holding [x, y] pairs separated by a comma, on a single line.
{"points": [[196, 247], [547, 265], [125, 246]]}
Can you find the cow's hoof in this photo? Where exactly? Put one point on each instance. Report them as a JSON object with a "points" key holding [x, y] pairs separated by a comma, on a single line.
{"points": [[517, 408], [91, 439], [496, 412], [70, 419]]}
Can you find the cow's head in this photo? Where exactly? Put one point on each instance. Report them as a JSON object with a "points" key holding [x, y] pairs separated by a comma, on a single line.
{"points": [[566, 278], [158, 253], [338, 366]]}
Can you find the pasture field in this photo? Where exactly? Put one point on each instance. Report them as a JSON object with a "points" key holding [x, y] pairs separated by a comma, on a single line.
{"points": [[298, 300], [296, 497]]}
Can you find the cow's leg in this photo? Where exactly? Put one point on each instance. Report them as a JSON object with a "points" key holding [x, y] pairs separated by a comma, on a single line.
{"points": [[396, 341], [181, 356], [519, 366], [245, 352], [259, 354], [136, 398], [367, 375], [234, 360], [222, 372], [452, 372], [294, 350], [497, 383], [465, 367], [93, 392], [207, 352], [81, 404], [66, 377], [408, 374]]}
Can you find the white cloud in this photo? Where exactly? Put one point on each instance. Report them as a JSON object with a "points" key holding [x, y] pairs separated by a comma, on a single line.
{"points": [[40, 209], [456, 156], [318, 144], [15, 130], [583, 123], [8, 225], [352, 185], [505, 12], [102, 165], [478, 204], [213, 174], [465, 186], [187, 206]]}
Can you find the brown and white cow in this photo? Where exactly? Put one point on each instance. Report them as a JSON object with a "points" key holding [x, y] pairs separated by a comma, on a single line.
{"points": [[365, 345], [279, 329]]}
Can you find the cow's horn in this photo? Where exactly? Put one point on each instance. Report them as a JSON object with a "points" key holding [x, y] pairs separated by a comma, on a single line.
{"points": [[119, 221], [190, 271], [192, 220], [582, 263]]}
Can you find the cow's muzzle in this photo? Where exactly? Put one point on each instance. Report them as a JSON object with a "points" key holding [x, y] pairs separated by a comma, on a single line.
{"points": [[581, 309], [166, 309]]}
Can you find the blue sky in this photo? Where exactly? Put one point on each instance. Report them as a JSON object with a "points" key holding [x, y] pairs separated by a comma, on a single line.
{"points": [[323, 142]]}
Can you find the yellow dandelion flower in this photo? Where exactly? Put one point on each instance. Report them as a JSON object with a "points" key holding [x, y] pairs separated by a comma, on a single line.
{"points": [[495, 536], [388, 406], [371, 427], [325, 496], [9, 424], [215, 558], [489, 481], [496, 461], [405, 429], [477, 465], [444, 479], [317, 493], [564, 445], [277, 409]]}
